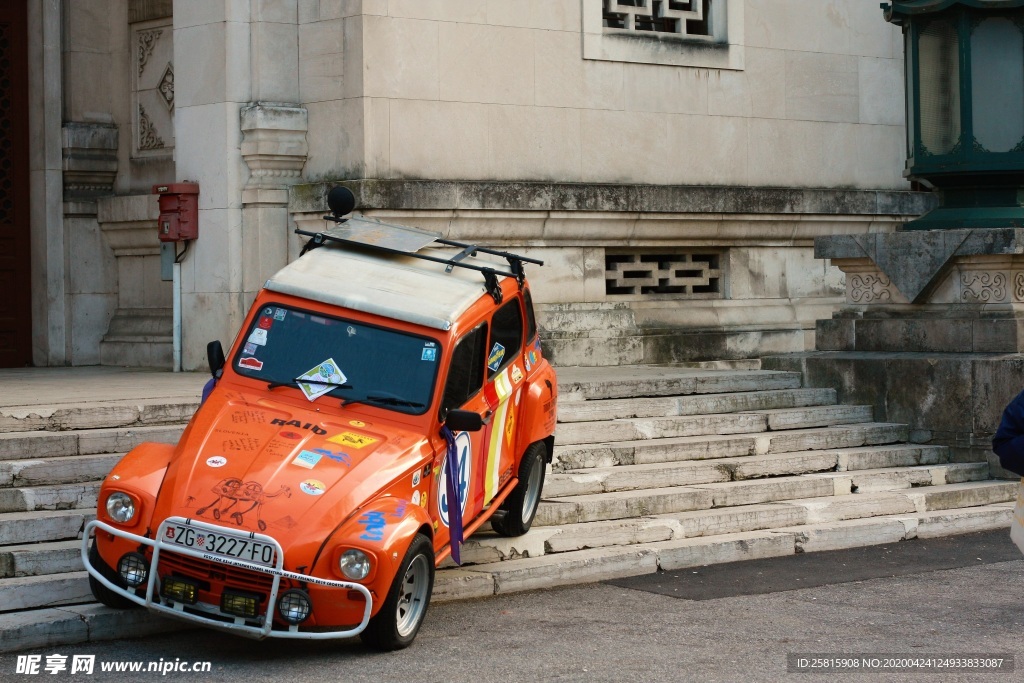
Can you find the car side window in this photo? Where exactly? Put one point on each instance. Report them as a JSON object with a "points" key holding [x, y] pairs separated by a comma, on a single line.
{"points": [[531, 319], [466, 373], [506, 336]]}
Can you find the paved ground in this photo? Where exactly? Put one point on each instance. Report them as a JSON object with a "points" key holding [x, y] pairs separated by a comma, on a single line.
{"points": [[43, 386], [952, 596]]}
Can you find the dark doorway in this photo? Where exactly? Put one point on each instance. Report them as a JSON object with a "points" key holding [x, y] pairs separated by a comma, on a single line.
{"points": [[15, 283]]}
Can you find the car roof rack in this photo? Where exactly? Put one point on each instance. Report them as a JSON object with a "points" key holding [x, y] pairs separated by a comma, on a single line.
{"points": [[389, 238]]}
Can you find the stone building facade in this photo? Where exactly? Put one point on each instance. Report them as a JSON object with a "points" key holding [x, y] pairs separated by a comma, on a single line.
{"points": [[672, 161]]}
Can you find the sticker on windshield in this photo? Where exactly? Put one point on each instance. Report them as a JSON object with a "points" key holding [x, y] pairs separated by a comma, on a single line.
{"points": [[249, 349], [280, 313], [250, 363], [266, 322], [258, 337], [495, 357], [320, 380], [429, 353]]}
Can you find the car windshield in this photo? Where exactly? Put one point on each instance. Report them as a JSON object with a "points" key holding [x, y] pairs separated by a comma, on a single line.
{"points": [[332, 357]]}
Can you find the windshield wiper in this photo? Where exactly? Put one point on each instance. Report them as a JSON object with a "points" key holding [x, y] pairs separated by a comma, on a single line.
{"points": [[295, 383], [384, 401]]}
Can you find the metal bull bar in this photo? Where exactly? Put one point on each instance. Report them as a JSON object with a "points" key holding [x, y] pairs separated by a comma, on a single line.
{"points": [[238, 626]]}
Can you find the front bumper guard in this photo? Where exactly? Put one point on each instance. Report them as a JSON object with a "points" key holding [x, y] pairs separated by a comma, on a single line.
{"points": [[154, 602]]}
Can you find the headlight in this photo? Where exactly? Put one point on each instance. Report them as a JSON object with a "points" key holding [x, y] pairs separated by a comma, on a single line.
{"points": [[354, 564], [120, 507]]}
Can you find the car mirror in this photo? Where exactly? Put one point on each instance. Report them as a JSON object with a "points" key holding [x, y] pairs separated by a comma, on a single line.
{"points": [[464, 421], [215, 357]]}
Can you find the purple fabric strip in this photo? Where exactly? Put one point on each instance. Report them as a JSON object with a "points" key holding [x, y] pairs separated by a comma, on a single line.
{"points": [[207, 389], [451, 473]]}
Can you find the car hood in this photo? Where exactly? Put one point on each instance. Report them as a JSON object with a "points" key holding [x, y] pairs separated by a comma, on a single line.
{"points": [[256, 465]]}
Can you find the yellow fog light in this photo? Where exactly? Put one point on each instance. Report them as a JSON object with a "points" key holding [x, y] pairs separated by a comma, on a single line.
{"points": [[239, 604], [179, 590]]}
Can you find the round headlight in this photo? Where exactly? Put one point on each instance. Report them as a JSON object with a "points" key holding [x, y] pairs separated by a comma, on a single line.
{"points": [[120, 507], [294, 606], [134, 569], [354, 564]]}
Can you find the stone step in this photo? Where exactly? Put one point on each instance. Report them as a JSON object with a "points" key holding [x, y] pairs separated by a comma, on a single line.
{"points": [[97, 415], [50, 627], [580, 383], [62, 470], [963, 495], [49, 497], [36, 527], [698, 404], [647, 451], [889, 479], [637, 429], [27, 592], [600, 564], [29, 445], [38, 559]]}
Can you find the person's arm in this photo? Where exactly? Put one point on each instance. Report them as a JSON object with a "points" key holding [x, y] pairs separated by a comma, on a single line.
{"points": [[1008, 442]]}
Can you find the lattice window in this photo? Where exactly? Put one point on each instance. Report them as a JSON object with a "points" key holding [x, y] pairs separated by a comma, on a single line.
{"points": [[681, 273], [680, 17]]}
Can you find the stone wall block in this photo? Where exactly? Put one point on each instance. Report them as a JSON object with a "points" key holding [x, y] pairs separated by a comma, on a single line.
{"points": [[89, 159], [274, 144]]}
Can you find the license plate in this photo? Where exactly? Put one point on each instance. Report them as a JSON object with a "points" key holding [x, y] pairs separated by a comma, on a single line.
{"points": [[222, 545]]}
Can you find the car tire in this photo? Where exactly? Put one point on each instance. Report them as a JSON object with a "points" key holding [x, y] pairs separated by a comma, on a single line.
{"points": [[520, 508], [399, 619], [101, 592]]}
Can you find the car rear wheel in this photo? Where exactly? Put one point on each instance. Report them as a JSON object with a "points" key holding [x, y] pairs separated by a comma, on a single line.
{"points": [[520, 507], [396, 624], [101, 592]]}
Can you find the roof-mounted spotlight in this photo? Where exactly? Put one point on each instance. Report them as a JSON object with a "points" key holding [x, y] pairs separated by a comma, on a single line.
{"points": [[341, 202]]}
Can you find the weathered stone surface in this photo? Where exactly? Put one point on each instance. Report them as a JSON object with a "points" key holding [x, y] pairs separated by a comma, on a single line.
{"points": [[970, 494], [857, 506], [632, 477], [97, 415], [23, 445], [736, 519], [598, 383], [51, 497], [33, 527], [37, 559], [561, 569], [846, 436], [56, 470], [659, 428], [611, 533], [122, 440], [849, 534], [698, 552], [947, 523], [779, 464], [900, 455], [768, 490], [487, 546], [816, 416], [41, 628], [44, 591], [461, 584], [105, 623], [624, 504]]}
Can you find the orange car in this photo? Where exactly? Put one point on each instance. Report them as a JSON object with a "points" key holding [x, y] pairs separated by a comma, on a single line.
{"points": [[386, 397]]}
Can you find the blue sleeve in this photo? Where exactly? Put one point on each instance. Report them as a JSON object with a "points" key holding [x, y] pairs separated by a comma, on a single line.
{"points": [[1008, 443]]}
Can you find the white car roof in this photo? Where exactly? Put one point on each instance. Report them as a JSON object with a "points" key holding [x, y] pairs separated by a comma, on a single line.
{"points": [[395, 286]]}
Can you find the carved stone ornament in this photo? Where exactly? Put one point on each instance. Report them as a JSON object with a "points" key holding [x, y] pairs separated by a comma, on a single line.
{"points": [[1018, 287], [869, 288], [148, 139], [166, 86], [147, 40], [983, 287]]}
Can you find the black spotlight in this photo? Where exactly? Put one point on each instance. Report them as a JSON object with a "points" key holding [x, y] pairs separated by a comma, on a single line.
{"points": [[341, 200]]}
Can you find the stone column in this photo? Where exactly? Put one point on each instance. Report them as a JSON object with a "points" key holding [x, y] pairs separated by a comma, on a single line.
{"points": [[274, 148], [90, 167]]}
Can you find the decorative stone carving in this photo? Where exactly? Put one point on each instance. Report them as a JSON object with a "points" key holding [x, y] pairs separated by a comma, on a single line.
{"points": [[869, 288], [982, 287], [166, 87], [1018, 287], [147, 39], [148, 139], [89, 159], [274, 144]]}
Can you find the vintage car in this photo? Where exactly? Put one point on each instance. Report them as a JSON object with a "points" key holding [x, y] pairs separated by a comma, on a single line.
{"points": [[386, 397]]}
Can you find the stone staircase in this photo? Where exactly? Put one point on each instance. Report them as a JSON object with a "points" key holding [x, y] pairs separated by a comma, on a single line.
{"points": [[654, 468]]}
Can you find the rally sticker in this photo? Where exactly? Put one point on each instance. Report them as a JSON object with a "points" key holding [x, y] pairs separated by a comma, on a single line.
{"points": [[250, 362], [268, 311], [416, 498], [517, 374], [266, 322], [357, 423], [313, 487], [495, 357], [416, 478], [429, 353], [258, 337], [464, 457], [307, 459], [290, 435], [217, 461], [249, 349], [352, 439], [324, 377], [280, 313]]}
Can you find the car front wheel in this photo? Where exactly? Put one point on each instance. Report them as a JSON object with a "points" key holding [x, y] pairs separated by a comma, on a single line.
{"points": [[396, 624]]}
